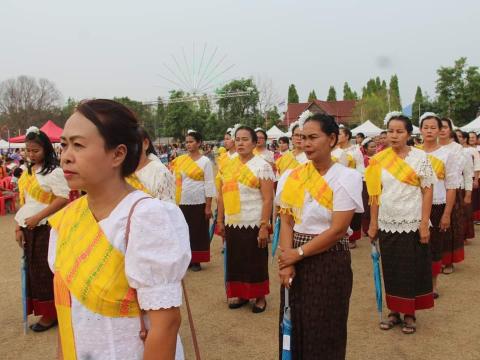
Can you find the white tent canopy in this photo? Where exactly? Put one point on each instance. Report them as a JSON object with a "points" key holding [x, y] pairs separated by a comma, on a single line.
{"points": [[274, 133], [472, 126], [367, 128], [416, 130], [5, 145]]}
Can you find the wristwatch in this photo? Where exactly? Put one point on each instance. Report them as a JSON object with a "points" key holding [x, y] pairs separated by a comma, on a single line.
{"points": [[300, 251]]}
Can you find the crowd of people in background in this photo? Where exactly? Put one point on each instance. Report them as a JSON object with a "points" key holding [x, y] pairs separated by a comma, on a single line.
{"points": [[106, 261]]}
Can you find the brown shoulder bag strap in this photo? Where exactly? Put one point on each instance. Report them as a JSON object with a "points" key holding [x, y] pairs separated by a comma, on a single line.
{"points": [[143, 330]]}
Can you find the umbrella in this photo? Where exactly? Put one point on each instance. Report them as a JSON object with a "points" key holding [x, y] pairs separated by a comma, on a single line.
{"points": [[377, 276], [276, 236], [214, 223], [23, 269], [286, 329]]}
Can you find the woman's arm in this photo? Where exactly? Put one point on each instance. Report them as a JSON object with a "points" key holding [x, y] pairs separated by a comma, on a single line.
{"points": [[266, 189], [161, 341], [427, 198], [373, 227], [286, 243], [447, 213], [51, 209], [322, 242]]}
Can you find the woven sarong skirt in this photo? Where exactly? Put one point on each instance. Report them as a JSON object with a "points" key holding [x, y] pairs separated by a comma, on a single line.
{"points": [[453, 251], [407, 272], [437, 238], [198, 231], [39, 276], [319, 299], [246, 263]]}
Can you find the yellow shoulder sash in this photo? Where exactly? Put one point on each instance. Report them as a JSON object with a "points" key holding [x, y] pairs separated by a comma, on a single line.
{"points": [[304, 178], [135, 182], [236, 172], [395, 165], [184, 164], [89, 267], [438, 166], [28, 183], [285, 162]]}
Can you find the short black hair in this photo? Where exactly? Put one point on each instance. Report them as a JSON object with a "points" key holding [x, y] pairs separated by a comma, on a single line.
{"points": [[261, 131], [118, 125], [284, 139], [295, 127], [439, 121], [362, 135], [346, 132], [327, 124], [196, 135], [50, 161], [252, 132], [17, 172], [406, 122]]}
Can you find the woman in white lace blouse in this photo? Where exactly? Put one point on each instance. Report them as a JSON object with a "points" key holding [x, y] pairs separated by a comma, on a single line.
{"points": [[155, 176], [194, 191], [244, 209], [116, 264], [399, 182]]}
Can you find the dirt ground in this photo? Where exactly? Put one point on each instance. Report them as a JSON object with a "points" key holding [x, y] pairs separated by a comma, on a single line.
{"points": [[449, 331]]}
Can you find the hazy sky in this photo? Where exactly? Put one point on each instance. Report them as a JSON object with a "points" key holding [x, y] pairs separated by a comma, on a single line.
{"points": [[107, 48]]}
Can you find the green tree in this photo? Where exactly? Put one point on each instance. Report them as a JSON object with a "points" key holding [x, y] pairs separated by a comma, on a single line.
{"points": [[66, 111], [372, 107], [348, 94], [312, 96], [243, 109], [417, 106], [332, 94], [394, 94], [458, 91], [180, 116], [292, 94]]}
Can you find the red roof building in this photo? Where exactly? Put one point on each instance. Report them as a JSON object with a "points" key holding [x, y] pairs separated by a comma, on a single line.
{"points": [[341, 110]]}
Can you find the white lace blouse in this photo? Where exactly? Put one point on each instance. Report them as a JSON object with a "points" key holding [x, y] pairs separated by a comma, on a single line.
{"points": [[195, 192], [54, 183], [267, 155], [156, 260], [346, 185], [340, 156], [475, 156], [157, 179], [453, 175], [401, 204], [251, 199], [301, 158], [357, 155], [465, 163]]}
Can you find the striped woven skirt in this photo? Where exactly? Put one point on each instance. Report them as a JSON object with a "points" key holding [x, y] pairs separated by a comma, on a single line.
{"points": [[319, 299], [453, 251], [476, 203], [407, 272], [198, 231], [437, 238], [39, 276], [246, 264], [468, 214]]}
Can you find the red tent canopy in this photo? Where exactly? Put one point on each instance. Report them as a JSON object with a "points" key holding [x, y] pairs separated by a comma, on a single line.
{"points": [[50, 128]]}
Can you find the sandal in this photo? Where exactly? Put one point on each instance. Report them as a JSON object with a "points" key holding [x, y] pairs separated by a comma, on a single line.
{"points": [[37, 327], [409, 328], [447, 270], [237, 304], [392, 320], [257, 309]]}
